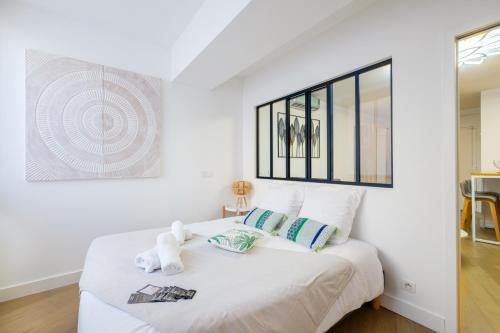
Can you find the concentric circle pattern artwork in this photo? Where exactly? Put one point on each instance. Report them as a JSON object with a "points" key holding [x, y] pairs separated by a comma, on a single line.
{"points": [[88, 121]]}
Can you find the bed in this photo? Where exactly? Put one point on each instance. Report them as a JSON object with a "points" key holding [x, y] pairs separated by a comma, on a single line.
{"points": [[364, 284]]}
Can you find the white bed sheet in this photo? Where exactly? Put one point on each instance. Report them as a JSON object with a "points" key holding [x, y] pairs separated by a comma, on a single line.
{"points": [[367, 283]]}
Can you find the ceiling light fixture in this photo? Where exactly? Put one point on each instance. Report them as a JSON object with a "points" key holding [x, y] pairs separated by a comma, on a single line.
{"points": [[475, 49]]}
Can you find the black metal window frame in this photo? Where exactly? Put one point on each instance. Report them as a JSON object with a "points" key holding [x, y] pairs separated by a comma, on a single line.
{"points": [[307, 93]]}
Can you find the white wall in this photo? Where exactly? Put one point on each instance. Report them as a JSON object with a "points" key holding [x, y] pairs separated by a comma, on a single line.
{"points": [[469, 144], [45, 228], [490, 135], [344, 128], [279, 147], [469, 152], [208, 22], [413, 224], [319, 164]]}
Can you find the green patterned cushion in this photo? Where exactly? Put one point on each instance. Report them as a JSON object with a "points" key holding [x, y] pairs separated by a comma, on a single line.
{"points": [[263, 219], [310, 233], [236, 240]]}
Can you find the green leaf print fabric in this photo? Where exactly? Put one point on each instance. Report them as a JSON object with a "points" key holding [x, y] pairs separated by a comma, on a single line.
{"points": [[236, 240]]}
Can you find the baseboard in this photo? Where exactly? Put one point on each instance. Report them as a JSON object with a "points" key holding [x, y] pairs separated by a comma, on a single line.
{"points": [[37, 286], [411, 311]]}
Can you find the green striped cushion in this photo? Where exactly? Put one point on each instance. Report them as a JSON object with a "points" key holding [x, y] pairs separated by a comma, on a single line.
{"points": [[310, 233], [263, 219]]}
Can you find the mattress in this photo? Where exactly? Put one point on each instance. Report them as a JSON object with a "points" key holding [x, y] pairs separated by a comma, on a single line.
{"points": [[365, 284]]}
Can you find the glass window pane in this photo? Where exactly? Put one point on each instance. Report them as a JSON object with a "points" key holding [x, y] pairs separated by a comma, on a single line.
{"points": [[344, 130], [319, 156], [279, 139], [264, 140], [298, 137], [375, 125]]}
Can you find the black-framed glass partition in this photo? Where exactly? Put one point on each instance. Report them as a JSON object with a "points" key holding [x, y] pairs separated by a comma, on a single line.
{"points": [[339, 131]]}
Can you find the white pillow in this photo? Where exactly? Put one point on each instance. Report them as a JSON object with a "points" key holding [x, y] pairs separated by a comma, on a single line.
{"points": [[335, 206], [286, 199]]}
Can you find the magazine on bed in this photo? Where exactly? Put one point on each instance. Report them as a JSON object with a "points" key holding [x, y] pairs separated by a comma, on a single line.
{"points": [[153, 294]]}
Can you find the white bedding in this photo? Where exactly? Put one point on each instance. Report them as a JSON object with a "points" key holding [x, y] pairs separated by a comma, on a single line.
{"points": [[366, 284]]}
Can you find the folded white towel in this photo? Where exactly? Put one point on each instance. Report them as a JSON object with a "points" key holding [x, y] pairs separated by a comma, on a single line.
{"points": [[168, 251], [148, 260], [180, 233]]}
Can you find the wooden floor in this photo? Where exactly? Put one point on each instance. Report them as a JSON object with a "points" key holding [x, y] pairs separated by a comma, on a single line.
{"points": [[480, 287], [367, 320], [53, 311], [56, 311]]}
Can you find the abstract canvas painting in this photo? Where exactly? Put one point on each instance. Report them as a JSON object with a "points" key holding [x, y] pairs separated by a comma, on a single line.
{"points": [[297, 136], [88, 121]]}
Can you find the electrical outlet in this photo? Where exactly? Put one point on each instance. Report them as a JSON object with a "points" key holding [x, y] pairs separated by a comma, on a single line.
{"points": [[409, 286], [207, 174]]}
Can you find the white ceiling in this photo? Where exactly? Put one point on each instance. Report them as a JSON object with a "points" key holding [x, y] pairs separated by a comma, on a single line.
{"points": [[261, 30], [155, 21], [249, 37], [472, 79]]}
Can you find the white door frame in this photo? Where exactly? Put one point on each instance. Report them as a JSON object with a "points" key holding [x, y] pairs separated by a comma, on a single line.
{"points": [[450, 121]]}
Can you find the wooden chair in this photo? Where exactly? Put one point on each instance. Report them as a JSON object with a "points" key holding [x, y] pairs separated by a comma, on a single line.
{"points": [[491, 198]]}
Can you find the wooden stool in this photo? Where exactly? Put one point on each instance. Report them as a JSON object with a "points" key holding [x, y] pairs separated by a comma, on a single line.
{"points": [[235, 211]]}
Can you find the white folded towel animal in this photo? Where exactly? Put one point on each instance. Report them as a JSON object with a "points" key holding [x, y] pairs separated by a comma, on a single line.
{"points": [[180, 233], [148, 260], [168, 251]]}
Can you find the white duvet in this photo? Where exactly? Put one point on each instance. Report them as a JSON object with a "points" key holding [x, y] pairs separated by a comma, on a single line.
{"points": [[366, 284]]}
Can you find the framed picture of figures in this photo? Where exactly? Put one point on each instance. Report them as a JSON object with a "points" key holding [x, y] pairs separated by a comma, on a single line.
{"points": [[297, 136]]}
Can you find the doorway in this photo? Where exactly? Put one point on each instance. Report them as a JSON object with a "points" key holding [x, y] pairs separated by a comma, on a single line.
{"points": [[478, 78]]}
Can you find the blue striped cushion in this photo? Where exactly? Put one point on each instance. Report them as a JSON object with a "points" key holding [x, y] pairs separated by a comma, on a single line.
{"points": [[263, 219], [310, 233]]}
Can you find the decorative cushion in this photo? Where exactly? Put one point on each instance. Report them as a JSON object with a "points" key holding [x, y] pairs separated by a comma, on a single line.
{"points": [[307, 232], [236, 240], [263, 219], [335, 206]]}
